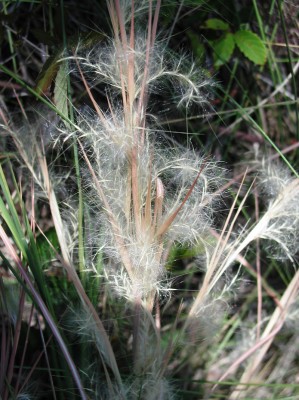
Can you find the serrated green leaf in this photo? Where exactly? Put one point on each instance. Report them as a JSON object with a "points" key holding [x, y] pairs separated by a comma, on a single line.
{"points": [[60, 89], [223, 49], [251, 46], [216, 24]]}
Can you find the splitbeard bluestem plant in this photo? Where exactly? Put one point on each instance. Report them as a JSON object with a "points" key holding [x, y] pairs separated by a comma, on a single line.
{"points": [[143, 195], [148, 195]]}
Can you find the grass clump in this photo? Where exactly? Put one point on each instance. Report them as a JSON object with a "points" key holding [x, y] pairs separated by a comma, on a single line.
{"points": [[147, 270]]}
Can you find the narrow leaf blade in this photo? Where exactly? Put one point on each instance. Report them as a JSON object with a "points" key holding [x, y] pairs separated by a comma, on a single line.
{"points": [[61, 90]]}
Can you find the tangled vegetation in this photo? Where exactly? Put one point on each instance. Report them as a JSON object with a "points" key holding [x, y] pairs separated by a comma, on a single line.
{"points": [[149, 200]]}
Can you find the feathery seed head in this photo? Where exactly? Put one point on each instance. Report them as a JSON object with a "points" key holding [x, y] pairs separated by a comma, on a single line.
{"points": [[196, 216], [280, 223], [151, 387], [146, 195], [273, 178]]}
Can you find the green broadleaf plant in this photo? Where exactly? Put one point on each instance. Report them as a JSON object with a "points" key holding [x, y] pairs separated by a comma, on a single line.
{"points": [[224, 48], [251, 46], [248, 42]]}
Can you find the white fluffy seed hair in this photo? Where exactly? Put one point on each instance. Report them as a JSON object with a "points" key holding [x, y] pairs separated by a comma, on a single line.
{"points": [[273, 178], [151, 387], [130, 73], [197, 215], [280, 223], [163, 71]]}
